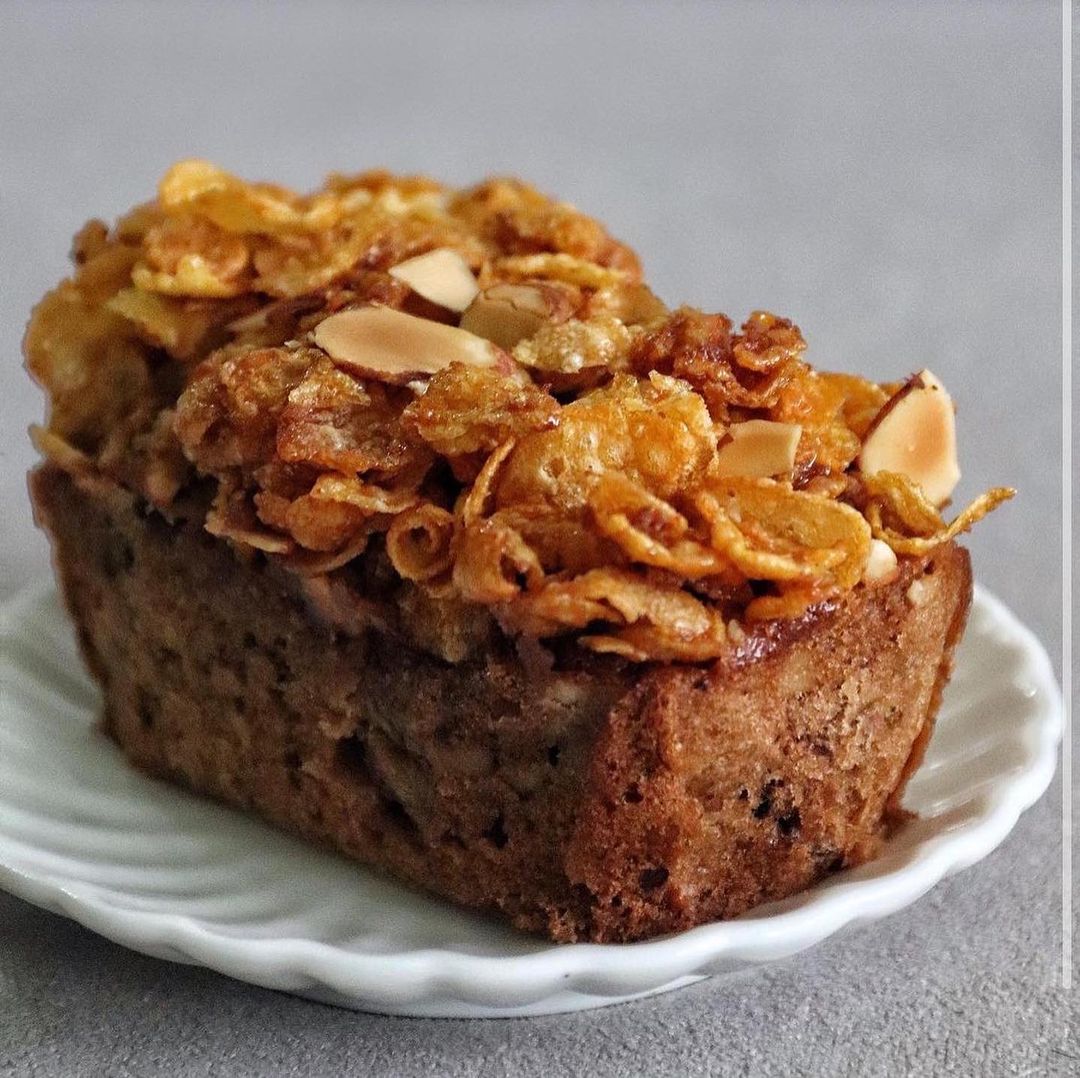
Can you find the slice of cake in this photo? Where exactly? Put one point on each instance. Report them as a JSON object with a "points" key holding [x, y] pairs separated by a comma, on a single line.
{"points": [[411, 519]]}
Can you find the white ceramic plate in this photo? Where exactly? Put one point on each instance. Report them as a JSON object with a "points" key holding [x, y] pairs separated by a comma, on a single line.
{"points": [[165, 873]]}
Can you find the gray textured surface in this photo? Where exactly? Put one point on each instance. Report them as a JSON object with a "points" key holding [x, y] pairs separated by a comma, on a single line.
{"points": [[888, 175]]}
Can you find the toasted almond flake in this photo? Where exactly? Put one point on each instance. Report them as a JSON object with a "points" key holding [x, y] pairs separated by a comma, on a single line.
{"points": [[507, 314], [394, 347], [881, 565], [441, 276], [759, 448], [915, 435]]}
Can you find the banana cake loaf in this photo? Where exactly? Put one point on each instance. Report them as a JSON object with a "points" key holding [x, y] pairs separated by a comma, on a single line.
{"points": [[411, 519]]}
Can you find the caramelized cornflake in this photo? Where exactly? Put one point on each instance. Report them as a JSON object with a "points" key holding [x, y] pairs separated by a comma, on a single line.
{"points": [[467, 410], [337, 367]]}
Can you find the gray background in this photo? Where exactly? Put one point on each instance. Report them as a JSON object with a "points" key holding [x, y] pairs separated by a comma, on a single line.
{"points": [[888, 175]]}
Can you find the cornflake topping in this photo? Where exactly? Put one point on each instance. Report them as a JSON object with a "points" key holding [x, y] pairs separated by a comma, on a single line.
{"points": [[469, 403]]}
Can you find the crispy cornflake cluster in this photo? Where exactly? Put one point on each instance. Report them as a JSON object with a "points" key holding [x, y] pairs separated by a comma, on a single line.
{"points": [[474, 394]]}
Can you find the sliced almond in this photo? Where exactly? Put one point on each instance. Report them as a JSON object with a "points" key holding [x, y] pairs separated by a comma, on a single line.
{"points": [[881, 565], [508, 313], [443, 277], [915, 434], [759, 448], [382, 343]]}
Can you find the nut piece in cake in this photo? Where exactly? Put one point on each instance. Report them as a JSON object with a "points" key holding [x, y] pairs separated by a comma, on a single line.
{"points": [[881, 565]]}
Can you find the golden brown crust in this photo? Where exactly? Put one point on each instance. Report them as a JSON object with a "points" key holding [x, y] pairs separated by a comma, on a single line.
{"points": [[598, 800]]}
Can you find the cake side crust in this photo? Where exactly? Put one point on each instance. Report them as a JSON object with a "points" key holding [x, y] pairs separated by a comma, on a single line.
{"points": [[719, 788]]}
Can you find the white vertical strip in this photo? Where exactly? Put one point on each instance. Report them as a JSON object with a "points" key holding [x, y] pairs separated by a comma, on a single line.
{"points": [[1066, 482]]}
